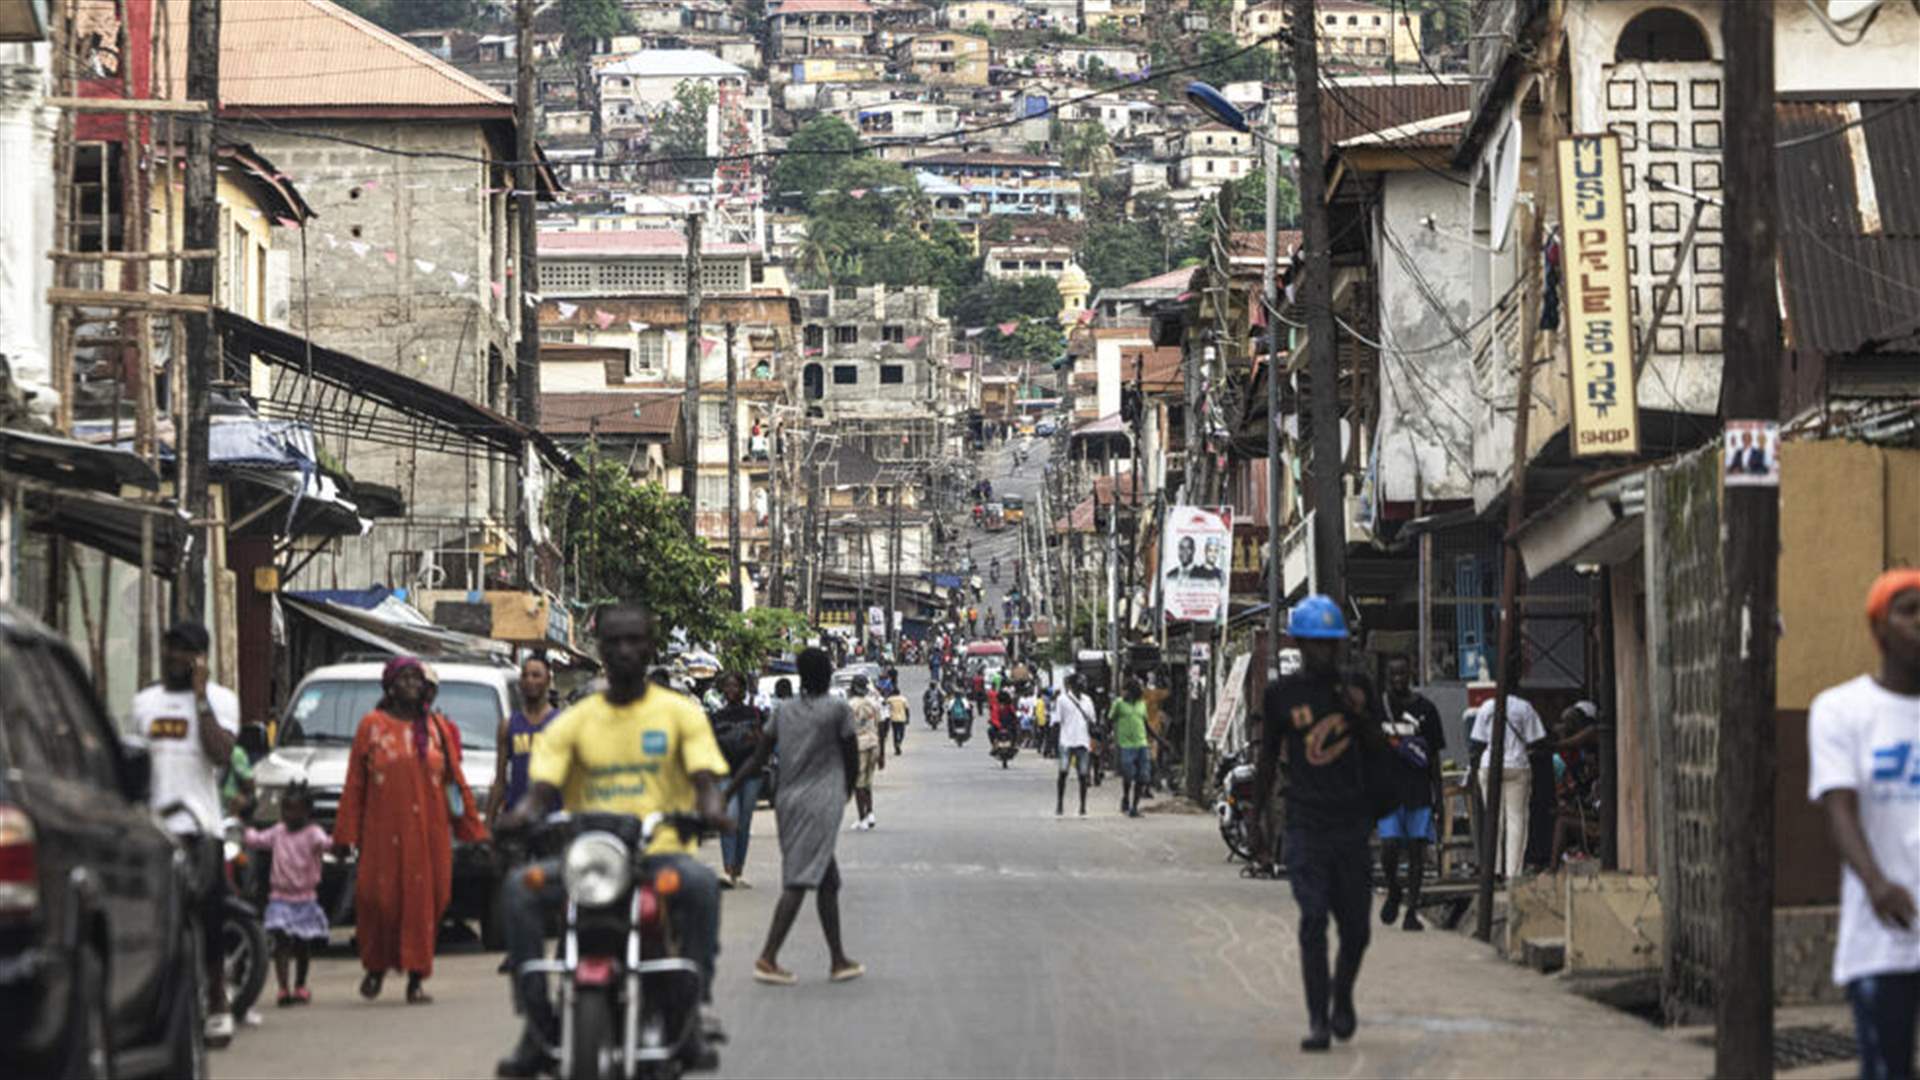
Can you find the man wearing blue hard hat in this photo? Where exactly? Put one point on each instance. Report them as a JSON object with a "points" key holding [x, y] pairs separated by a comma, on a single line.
{"points": [[1328, 815]]}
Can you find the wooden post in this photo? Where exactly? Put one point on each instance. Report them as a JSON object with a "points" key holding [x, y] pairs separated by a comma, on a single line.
{"points": [[893, 575], [1326, 495], [526, 183], [690, 407], [1511, 644], [776, 526], [811, 556], [201, 226], [733, 478], [1750, 531]]}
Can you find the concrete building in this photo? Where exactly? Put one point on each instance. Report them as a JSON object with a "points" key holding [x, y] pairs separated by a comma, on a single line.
{"points": [[813, 27], [952, 59], [412, 268], [993, 14], [906, 118], [637, 88], [1212, 155], [1000, 183], [1351, 32]]}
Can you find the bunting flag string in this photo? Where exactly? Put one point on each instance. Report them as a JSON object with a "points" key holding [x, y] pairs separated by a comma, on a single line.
{"points": [[1007, 328], [424, 266], [566, 310], [498, 289], [459, 279], [636, 326], [602, 319], [392, 257]]}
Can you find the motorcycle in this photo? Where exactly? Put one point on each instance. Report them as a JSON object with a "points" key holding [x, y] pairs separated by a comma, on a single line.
{"points": [[629, 1007], [959, 723], [1234, 807], [243, 938], [1003, 743]]}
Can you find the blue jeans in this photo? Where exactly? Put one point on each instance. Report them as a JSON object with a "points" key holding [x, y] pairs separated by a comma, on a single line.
{"points": [[733, 845], [1133, 764], [1885, 1008]]}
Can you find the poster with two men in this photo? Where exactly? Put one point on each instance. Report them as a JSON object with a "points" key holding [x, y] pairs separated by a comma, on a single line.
{"points": [[1196, 562]]}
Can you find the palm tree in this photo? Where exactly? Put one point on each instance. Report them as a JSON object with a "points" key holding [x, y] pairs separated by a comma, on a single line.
{"points": [[814, 259]]}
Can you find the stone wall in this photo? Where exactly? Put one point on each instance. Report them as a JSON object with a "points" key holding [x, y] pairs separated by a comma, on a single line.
{"points": [[381, 258]]}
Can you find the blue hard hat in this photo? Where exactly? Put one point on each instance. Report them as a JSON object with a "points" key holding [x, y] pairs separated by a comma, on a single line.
{"points": [[1316, 617]]}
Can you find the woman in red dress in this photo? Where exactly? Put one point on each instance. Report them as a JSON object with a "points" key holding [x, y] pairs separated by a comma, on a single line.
{"points": [[404, 789]]}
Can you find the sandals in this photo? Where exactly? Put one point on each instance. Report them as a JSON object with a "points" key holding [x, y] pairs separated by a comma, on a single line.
{"points": [[772, 974]]}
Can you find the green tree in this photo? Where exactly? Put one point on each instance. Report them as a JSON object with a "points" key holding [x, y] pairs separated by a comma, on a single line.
{"points": [[1250, 202], [1083, 147], [1115, 253], [997, 300], [746, 640], [681, 132], [1037, 341], [814, 159], [629, 541], [583, 23]]}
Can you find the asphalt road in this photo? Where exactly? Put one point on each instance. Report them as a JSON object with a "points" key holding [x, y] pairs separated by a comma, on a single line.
{"points": [[1003, 941], [1025, 481]]}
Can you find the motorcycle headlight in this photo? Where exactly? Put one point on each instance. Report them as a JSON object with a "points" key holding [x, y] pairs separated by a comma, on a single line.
{"points": [[596, 869]]}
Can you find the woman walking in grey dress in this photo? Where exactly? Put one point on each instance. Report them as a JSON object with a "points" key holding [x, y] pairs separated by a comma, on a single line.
{"points": [[813, 735]]}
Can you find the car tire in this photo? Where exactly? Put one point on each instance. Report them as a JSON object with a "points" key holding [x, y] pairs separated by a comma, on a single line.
{"points": [[88, 1053], [186, 1017]]}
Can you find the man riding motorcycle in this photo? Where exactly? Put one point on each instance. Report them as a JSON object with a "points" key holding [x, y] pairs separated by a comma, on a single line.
{"points": [[635, 749]]}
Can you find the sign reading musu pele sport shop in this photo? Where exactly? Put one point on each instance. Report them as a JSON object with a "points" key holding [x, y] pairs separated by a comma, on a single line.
{"points": [[1593, 220]]}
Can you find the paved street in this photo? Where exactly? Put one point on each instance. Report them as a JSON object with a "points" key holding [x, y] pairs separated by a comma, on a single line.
{"points": [[1002, 941]]}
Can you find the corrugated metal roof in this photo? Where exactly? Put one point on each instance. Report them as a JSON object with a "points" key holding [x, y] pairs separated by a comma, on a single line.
{"points": [[609, 414], [1850, 223], [1353, 109], [809, 7], [675, 63], [292, 53]]}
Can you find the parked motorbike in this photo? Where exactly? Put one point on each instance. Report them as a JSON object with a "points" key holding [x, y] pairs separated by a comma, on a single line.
{"points": [[1234, 806], [244, 937], [1003, 743], [629, 1006]]}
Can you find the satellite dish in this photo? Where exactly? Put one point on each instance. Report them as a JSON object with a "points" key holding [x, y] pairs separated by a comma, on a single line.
{"points": [[1845, 11]]}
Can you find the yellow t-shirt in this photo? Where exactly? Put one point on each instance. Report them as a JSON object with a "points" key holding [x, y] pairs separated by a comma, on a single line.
{"points": [[634, 759]]}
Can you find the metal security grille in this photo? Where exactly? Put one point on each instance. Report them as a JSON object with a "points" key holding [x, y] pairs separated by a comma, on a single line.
{"points": [[1463, 614], [1685, 605]]}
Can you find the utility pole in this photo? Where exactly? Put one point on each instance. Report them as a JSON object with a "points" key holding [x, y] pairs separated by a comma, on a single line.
{"points": [[1325, 493], [776, 465], [526, 182], [201, 228], [1270, 293], [1750, 528], [893, 576], [811, 555], [1512, 645], [690, 406], [733, 478]]}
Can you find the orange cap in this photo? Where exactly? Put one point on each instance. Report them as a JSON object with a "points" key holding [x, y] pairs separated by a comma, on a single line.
{"points": [[1886, 587]]}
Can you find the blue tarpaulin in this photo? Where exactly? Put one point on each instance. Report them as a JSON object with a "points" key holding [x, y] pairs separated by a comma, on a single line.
{"points": [[946, 581]]}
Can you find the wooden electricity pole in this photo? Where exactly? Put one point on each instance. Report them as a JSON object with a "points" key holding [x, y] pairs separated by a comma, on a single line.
{"points": [[893, 575], [810, 556], [1512, 645], [733, 478], [1750, 531], [690, 406], [1326, 496], [201, 229]]}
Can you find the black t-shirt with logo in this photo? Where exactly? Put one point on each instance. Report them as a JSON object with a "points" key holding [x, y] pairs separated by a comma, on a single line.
{"points": [[1414, 718], [1325, 785]]}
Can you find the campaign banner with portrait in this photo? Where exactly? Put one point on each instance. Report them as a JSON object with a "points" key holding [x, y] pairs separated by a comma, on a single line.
{"points": [[1195, 562]]}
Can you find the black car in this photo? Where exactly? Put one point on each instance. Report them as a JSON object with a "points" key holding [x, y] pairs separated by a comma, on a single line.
{"points": [[99, 953]]}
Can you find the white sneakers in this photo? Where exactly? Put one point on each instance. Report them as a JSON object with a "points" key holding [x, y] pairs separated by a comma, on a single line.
{"points": [[220, 1028], [861, 824]]}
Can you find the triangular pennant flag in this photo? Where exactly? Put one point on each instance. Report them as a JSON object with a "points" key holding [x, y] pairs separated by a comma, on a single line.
{"points": [[914, 341], [974, 331], [392, 257], [332, 241], [1085, 317], [1007, 328], [286, 223], [253, 213], [566, 310], [532, 298], [459, 279], [423, 265], [499, 290], [369, 185], [858, 193], [636, 326], [360, 248], [602, 319], [706, 345]]}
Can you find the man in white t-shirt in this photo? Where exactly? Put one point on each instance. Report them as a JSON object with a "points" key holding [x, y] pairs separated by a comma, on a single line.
{"points": [[1863, 744], [1516, 775], [189, 725], [1073, 716]]}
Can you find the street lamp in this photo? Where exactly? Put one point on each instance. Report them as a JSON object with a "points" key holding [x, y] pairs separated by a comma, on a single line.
{"points": [[1215, 104]]}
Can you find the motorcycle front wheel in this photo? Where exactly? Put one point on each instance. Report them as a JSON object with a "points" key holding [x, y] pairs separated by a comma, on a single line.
{"points": [[245, 952], [592, 1035], [1235, 834]]}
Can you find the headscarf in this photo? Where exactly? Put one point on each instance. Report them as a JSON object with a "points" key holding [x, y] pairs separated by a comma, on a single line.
{"points": [[1885, 588], [389, 675]]}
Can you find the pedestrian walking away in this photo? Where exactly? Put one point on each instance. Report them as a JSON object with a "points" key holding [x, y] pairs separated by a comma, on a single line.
{"points": [[405, 799], [1863, 749], [1074, 729], [739, 729], [515, 740], [1524, 729], [1328, 815], [1413, 729], [873, 749], [898, 713], [1129, 719], [637, 748], [190, 724], [294, 919], [815, 736]]}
